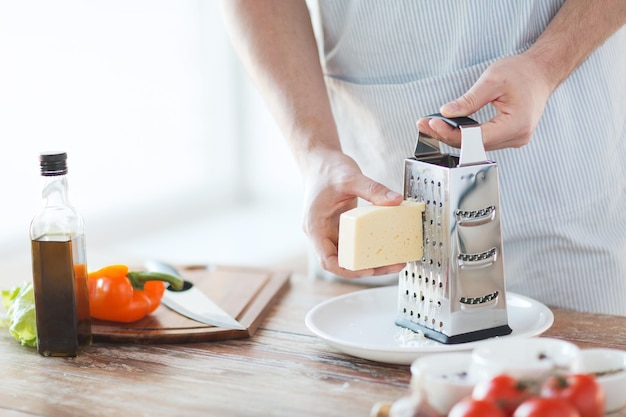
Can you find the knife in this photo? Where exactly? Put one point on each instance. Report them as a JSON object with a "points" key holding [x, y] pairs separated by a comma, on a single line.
{"points": [[192, 302]]}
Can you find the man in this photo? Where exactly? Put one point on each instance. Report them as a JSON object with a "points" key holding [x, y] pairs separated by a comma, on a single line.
{"points": [[545, 79]]}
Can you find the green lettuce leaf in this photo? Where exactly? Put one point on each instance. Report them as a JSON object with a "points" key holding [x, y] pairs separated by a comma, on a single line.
{"points": [[19, 303]]}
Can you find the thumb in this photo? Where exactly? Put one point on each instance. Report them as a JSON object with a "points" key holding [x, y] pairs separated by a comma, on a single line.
{"points": [[378, 194], [478, 96]]}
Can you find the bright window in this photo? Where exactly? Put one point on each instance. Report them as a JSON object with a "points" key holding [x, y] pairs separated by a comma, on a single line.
{"points": [[151, 105]]}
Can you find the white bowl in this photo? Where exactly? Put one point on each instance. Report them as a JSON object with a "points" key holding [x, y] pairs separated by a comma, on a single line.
{"points": [[609, 368], [444, 379], [523, 358]]}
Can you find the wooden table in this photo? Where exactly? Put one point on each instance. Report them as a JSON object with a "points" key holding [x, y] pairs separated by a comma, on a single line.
{"points": [[283, 370]]}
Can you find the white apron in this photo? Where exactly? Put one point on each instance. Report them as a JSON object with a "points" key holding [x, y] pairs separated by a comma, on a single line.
{"points": [[563, 196]]}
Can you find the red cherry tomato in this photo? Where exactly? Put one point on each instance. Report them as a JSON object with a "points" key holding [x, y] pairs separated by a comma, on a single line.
{"points": [[469, 407], [580, 390], [503, 390], [545, 407]]}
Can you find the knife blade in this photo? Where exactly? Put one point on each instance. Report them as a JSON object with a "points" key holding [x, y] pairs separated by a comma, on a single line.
{"points": [[191, 302]]}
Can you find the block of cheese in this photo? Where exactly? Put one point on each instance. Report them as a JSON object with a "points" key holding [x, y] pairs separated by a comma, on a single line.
{"points": [[372, 236]]}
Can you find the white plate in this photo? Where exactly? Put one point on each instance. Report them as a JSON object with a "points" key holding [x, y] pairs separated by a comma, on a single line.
{"points": [[361, 324]]}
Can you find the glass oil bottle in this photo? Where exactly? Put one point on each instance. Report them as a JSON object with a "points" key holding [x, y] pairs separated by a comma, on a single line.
{"points": [[59, 266]]}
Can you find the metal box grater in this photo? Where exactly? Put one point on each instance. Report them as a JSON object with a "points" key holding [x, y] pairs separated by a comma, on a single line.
{"points": [[456, 292]]}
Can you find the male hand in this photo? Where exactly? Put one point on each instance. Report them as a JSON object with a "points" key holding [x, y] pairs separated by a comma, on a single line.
{"points": [[516, 87], [333, 184]]}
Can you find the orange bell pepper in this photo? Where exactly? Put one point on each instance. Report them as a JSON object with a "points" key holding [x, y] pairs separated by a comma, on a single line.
{"points": [[117, 294]]}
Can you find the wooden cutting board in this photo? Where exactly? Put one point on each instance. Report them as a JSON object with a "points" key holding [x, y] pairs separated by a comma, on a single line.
{"points": [[245, 293]]}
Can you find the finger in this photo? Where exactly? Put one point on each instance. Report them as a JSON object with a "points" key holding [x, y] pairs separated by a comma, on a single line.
{"points": [[376, 193], [483, 92], [328, 258], [491, 130], [504, 131], [440, 130], [333, 267], [446, 133], [329, 261], [389, 269], [423, 127]]}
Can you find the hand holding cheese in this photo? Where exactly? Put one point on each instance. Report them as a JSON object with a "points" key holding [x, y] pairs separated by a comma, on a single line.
{"points": [[373, 236]]}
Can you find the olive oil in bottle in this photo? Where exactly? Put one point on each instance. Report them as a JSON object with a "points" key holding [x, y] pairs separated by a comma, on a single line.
{"points": [[59, 266]]}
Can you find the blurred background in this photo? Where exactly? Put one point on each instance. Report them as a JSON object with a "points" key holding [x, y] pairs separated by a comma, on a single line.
{"points": [[172, 153]]}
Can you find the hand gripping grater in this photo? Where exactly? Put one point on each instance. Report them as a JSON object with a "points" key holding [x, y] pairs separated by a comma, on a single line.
{"points": [[456, 292]]}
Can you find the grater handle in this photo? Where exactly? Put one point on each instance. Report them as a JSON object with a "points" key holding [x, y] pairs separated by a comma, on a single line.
{"points": [[472, 148], [454, 121]]}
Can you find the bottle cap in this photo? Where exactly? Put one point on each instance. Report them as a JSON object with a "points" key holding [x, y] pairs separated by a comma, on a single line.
{"points": [[53, 163]]}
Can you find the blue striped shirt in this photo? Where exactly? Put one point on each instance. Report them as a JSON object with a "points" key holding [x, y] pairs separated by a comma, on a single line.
{"points": [[387, 63]]}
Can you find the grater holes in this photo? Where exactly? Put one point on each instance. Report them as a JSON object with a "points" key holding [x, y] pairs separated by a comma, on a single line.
{"points": [[473, 257], [479, 300], [477, 260], [475, 217]]}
